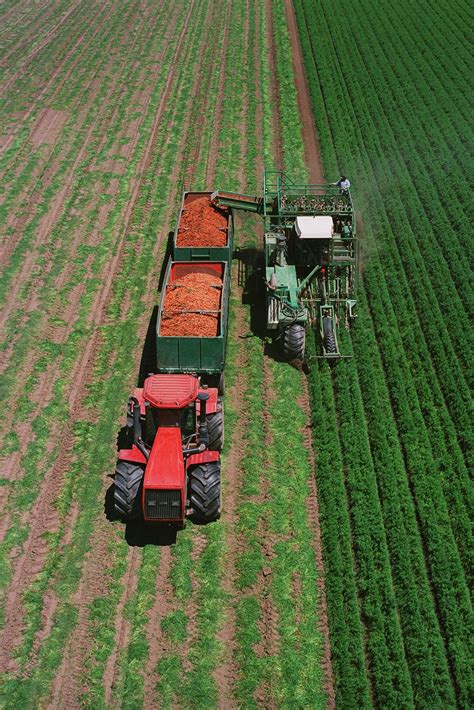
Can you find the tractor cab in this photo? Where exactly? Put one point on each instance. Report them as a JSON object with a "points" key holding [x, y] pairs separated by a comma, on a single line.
{"points": [[171, 467]]}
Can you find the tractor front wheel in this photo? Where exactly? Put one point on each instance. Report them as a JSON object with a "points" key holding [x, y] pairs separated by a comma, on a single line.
{"points": [[204, 492], [294, 342], [127, 490]]}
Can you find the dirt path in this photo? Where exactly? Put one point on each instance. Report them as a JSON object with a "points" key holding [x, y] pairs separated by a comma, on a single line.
{"points": [[311, 143]]}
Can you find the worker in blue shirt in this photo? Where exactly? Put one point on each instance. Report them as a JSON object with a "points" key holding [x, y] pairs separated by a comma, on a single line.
{"points": [[344, 184]]}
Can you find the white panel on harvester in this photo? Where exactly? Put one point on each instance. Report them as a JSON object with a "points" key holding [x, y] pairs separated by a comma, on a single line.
{"points": [[314, 227]]}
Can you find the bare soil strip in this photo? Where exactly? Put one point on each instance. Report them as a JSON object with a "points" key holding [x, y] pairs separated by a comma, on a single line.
{"points": [[276, 130], [226, 672], [313, 519], [158, 645], [213, 150], [47, 39], [268, 624], [311, 144]]}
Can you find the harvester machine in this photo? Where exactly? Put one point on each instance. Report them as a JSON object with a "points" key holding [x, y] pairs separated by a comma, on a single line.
{"points": [[169, 467], [310, 250]]}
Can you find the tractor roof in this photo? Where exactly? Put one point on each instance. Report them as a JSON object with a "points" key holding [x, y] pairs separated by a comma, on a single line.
{"points": [[170, 391]]}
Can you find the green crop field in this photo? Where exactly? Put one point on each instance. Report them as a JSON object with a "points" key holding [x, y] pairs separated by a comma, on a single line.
{"points": [[393, 427], [340, 572]]}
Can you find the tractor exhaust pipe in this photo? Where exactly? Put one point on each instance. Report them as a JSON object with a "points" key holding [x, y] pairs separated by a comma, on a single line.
{"points": [[203, 431], [137, 428]]}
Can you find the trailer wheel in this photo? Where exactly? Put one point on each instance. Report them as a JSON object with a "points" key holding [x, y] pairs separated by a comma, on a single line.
{"points": [[215, 425], [294, 341], [221, 385], [204, 492], [127, 490]]}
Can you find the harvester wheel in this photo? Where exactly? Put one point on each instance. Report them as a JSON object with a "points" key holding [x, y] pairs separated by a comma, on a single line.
{"points": [[294, 341], [215, 425], [330, 343], [204, 492], [329, 337], [127, 489]]}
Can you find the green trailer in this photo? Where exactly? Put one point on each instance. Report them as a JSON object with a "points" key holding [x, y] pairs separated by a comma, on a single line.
{"points": [[203, 252], [200, 356]]}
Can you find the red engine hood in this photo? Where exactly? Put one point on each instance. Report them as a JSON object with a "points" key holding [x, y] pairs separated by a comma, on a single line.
{"points": [[165, 467]]}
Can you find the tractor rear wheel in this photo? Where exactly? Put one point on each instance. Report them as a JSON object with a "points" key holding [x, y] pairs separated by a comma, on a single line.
{"points": [[204, 492], [215, 426], [127, 489], [294, 341]]}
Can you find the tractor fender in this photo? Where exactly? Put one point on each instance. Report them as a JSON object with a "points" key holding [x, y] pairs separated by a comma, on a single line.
{"points": [[204, 457], [133, 455]]}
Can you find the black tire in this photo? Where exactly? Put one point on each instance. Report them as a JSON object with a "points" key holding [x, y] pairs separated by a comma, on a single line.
{"points": [[221, 385], [330, 343], [329, 337], [204, 492], [127, 490], [215, 425], [294, 341]]}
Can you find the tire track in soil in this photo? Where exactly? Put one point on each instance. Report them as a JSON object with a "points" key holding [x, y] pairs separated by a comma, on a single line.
{"points": [[316, 175], [43, 513], [158, 645], [54, 75], [268, 623], [312, 508], [310, 137], [274, 88], [214, 150], [47, 39]]}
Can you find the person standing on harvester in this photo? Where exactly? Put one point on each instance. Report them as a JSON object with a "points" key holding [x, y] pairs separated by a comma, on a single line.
{"points": [[344, 184]]}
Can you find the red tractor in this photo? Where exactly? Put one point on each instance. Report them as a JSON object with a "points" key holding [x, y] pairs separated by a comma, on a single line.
{"points": [[170, 469]]}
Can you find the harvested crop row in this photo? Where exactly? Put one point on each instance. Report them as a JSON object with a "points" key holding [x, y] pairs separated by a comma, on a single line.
{"points": [[192, 306], [202, 224]]}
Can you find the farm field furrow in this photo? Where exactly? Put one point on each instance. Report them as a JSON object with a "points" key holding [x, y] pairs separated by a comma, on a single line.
{"points": [[402, 407]]}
